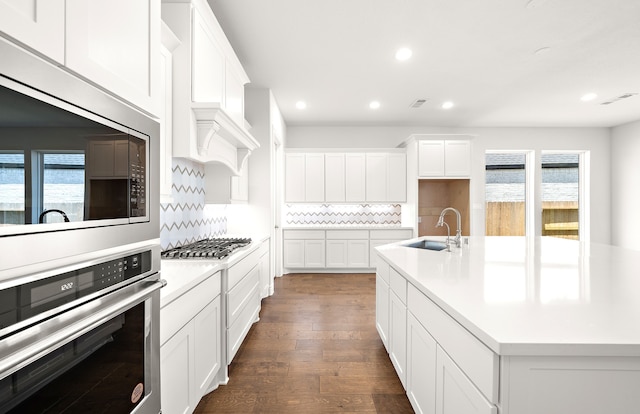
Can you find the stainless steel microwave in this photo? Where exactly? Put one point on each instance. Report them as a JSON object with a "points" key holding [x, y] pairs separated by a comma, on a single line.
{"points": [[63, 167]]}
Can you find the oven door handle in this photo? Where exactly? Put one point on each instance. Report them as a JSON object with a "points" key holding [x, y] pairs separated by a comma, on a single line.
{"points": [[21, 349]]}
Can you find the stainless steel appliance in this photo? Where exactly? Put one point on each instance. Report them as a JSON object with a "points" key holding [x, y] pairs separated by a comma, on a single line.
{"points": [[212, 248], [55, 319], [83, 338]]}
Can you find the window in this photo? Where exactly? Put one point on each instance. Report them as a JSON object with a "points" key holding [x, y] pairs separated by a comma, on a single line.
{"points": [[505, 194], [63, 187], [560, 195], [12, 188]]}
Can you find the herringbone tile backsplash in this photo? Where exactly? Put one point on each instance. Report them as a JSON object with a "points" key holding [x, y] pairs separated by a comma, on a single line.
{"points": [[188, 218]]}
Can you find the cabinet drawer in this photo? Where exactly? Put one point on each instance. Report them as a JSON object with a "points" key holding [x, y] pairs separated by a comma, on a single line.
{"points": [[382, 269], [347, 234], [240, 294], [240, 269], [179, 312], [399, 234], [303, 234], [477, 361], [237, 332], [398, 284]]}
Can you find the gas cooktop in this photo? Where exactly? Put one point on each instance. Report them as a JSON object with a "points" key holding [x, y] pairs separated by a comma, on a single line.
{"points": [[215, 248]]}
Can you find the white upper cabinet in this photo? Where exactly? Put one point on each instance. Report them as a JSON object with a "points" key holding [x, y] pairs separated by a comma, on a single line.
{"points": [[37, 24], [294, 185], [115, 44], [208, 90], [346, 177], [314, 178], [444, 158], [355, 177], [112, 44], [386, 177], [334, 178]]}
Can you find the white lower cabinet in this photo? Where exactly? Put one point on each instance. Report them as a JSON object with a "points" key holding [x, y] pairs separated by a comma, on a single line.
{"points": [[382, 310], [303, 248], [421, 367], [347, 248], [190, 351], [455, 393]]}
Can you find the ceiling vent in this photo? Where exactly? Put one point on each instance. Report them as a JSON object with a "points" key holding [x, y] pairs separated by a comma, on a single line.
{"points": [[617, 98], [417, 103]]}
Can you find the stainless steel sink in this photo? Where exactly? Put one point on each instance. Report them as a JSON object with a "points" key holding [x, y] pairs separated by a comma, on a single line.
{"points": [[428, 245]]}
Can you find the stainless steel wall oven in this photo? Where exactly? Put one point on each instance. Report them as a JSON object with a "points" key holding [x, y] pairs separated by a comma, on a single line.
{"points": [[83, 338]]}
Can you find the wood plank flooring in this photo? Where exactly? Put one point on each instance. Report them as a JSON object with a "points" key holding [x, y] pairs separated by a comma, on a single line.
{"points": [[314, 350]]}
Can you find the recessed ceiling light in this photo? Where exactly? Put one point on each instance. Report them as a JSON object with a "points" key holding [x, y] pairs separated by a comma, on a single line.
{"points": [[301, 104], [447, 105], [374, 104], [403, 53], [588, 97]]}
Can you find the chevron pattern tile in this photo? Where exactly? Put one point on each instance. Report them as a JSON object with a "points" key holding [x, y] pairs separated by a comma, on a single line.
{"points": [[355, 215], [188, 218]]}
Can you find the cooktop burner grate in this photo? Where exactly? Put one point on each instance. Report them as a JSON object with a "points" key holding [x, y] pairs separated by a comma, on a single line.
{"points": [[215, 248]]}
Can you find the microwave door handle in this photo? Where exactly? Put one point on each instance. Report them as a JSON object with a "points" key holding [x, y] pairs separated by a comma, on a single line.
{"points": [[23, 348]]}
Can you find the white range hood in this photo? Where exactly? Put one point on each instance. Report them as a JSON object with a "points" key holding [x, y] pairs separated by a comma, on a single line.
{"points": [[220, 138]]}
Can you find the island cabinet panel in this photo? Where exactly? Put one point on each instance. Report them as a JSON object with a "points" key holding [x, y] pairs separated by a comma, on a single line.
{"points": [[477, 361], [382, 310], [455, 393], [585, 385], [421, 367], [398, 324]]}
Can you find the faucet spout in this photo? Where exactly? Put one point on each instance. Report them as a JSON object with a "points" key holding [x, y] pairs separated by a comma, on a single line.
{"points": [[52, 210], [441, 222]]}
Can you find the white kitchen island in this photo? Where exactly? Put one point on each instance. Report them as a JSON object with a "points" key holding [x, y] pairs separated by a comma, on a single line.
{"points": [[513, 325]]}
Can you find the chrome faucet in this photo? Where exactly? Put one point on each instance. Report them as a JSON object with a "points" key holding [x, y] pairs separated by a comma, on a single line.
{"points": [[52, 210], [441, 223]]}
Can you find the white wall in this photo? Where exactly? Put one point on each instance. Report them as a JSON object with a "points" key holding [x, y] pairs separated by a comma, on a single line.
{"points": [[625, 185], [595, 140]]}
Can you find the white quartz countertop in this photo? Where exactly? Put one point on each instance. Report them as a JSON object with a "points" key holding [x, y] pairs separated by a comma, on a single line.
{"points": [[344, 227], [182, 275], [533, 296]]}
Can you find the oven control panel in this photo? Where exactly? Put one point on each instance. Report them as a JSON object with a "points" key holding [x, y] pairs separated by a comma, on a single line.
{"points": [[30, 299]]}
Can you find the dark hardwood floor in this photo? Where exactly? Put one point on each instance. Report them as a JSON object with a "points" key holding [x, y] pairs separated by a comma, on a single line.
{"points": [[314, 350]]}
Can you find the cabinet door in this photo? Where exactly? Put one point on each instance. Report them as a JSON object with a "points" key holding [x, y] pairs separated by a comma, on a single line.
{"points": [[121, 159], [382, 310], [39, 24], [431, 158], [294, 182], [336, 253], [397, 178], [355, 173], [293, 252], [455, 393], [314, 253], [314, 178], [115, 44], [421, 367], [176, 372], [398, 336], [358, 253], [376, 178], [457, 158], [101, 162], [207, 63], [207, 343], [334, 177]]}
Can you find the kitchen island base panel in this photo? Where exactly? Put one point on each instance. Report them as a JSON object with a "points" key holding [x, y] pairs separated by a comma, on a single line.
{"points": [[561, 385]]}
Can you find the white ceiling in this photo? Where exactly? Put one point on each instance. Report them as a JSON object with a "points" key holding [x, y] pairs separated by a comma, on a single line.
{"points": [[338, 55]]}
